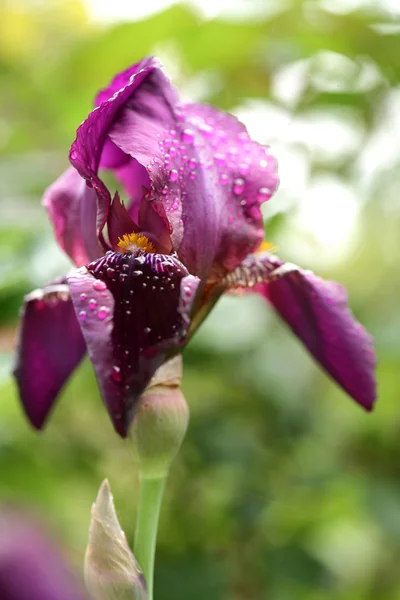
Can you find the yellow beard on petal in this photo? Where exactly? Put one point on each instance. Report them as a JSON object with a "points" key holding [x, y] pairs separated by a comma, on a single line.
{"points": [[265, 247], [132, 242]]}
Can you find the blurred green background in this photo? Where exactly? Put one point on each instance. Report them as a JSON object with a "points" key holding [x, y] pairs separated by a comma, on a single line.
{"points": [[284, 488]]}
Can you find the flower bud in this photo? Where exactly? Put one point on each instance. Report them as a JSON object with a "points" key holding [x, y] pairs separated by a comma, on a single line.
{"points": [[111, 570], [160, 421]]}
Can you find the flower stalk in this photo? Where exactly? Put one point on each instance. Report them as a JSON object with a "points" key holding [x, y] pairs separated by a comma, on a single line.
{"points": [[150, 499], [157, 431]]}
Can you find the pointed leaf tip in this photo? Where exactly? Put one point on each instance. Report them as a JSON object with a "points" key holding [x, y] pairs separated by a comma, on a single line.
{"points": [[111, 570]]}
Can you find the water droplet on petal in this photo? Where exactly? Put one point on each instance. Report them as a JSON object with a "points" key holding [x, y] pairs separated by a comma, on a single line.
{"points": [[82, 315], [137, 273], [244, 169], [192, 163], [224, 179], [220, 160], [264, 193], [173, 175], [92, 304], [83, 297], [116, 374], [188, 136], [147, 330], [238, 186], [103, 313], [99, 285]]}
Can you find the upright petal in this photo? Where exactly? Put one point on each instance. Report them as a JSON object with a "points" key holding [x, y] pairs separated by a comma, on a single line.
{"points": [[206, 171], [317, 312], [71, 206], [50, 347], [137, 313], [87, 148]]}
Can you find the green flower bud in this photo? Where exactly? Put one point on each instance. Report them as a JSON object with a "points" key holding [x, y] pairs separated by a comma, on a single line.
{"points": [[111, 570], [160, 421]]}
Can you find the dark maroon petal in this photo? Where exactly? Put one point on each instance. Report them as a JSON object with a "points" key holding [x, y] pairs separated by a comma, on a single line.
{"points": [[119, 222], [205, 169], [31, 566], [71, 206], [136, 312], [50, 347], [317, 312], [87, 149]]}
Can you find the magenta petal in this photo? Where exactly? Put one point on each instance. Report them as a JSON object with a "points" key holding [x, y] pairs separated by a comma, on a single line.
{"points": [[50, 347], [317, 312], [71, 206], [137, 312], [91, 136], [203, 166]]}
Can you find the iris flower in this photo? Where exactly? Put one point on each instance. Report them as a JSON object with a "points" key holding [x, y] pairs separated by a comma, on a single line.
{"points": [[149, 271]]}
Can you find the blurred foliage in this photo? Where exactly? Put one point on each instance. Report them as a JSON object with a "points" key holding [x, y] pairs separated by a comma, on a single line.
{"points": [[284, 488]]}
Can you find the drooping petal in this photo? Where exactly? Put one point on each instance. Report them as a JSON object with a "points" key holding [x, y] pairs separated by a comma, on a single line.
{"points": [[71, 206], [137, 312], [317, 312], [205, 169], [50, 347], [91, 136]]}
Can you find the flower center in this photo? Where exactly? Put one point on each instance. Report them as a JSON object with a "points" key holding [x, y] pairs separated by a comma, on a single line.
{"points": [[132, 242]]}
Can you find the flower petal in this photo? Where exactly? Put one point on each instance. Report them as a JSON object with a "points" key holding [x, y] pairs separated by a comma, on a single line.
{"points": [[318, 313], [91, 136], [119, 222], [71, 206], [205, 169], [137, 312], [50, 347]]}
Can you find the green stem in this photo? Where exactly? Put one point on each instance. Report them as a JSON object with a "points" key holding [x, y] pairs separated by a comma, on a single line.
{"points": [[151, 493]]}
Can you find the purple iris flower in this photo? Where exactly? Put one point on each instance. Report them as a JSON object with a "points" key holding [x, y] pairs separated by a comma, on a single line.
{"points": [[31, 567], [148, 271]]}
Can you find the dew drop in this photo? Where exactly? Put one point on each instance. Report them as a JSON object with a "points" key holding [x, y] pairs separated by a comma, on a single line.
{"points": [[116, 374], [103, 313], [83, 297], [149, 168], [110, 272], [172, 151], [82, 315], [147, 330], [92, 304], [238, 186], [173, 174], [224, 179], [188, 136], [244, 169], [137, 273], [73, 155], [263, 194], [192, 163], [205, 129], [219, 160], [99, 285]]}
